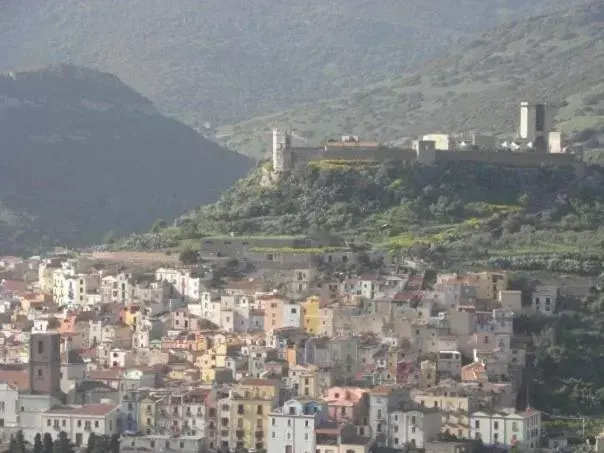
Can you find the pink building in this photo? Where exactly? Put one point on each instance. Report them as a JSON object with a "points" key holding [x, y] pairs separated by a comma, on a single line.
{"points": [[273, 313], [345, 403]]}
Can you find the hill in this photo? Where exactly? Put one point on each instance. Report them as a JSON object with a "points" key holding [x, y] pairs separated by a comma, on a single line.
{"points": [[83, 154], [555, 58], [461, 212], [225, 60]]}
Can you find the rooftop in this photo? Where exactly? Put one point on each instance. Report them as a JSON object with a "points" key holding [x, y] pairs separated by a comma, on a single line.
{"points": [[91, 410]]}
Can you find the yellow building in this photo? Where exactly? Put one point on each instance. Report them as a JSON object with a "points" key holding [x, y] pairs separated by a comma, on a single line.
{"points": [[147, 413], [251, 402], [304, 381], [209, 361], [311, 316], [488, 284]]}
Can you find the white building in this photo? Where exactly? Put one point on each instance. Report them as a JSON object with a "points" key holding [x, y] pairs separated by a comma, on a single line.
{"points": [[545, 299], [291, 429], [9, 395], [80, 421], [414, 427], [507, 427], [292, 315]]}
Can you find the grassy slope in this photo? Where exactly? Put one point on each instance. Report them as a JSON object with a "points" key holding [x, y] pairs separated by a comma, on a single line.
{"points": [[555, 58], [469, 211], [227, 60]]}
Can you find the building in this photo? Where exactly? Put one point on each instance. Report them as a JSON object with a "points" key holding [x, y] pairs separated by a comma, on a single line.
{"points": [[45, 364], [535, 123], [292, 427], [507, 427], [545, 299], [81, 421], [251, 402], [413, 427]]}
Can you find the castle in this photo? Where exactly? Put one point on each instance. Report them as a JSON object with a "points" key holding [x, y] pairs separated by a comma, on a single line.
{"points": [[536, 145]]}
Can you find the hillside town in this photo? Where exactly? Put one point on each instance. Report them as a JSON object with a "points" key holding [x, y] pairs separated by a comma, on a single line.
{"points": [[283, 359]]}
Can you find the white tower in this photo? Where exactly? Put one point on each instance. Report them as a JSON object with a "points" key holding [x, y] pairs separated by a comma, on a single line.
{"points": [[535, 124], [281, 150]]}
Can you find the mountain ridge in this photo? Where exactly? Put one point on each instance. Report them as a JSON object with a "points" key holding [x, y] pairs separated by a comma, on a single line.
{"points": [[555, 58], [83, 154], [222, 61]]}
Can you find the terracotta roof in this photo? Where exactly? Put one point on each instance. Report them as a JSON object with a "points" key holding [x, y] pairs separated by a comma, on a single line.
{"points": [[92, 410], [474, 372], [16, 286], [260, 382], [18, 379], [113, 373]]}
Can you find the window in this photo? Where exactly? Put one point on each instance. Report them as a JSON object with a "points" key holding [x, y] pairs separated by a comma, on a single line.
{"points": [[413, 419], [477, 424], [495, 425], [273, 422], [152, 444], [515, 427], [306, 423], [40, 347], [96, 424], [40, 372], [496, 437], [413, 429], [259, 410], [64, 423], [79, 423], [273, 434], [48, 422]]}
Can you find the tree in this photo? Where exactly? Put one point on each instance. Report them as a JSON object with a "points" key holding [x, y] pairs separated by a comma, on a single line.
{"points": [[17, 443], [114, 444], [90, 448], [12, 446], [188, 256], [47, 444], [63, 444], [37, 444], [159, 225]]}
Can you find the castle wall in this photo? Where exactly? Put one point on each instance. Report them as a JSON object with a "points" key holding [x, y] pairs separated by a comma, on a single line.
{"points": [[305, 155], [518, 159]]}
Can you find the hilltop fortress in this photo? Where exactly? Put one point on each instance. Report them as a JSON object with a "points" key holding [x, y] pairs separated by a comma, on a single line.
{"points": [[535, 145]]}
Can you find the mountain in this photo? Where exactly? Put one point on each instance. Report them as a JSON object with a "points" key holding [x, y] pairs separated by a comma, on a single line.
{"points": [[457, 212], [83, 154], [557, 58], [222, 61]]}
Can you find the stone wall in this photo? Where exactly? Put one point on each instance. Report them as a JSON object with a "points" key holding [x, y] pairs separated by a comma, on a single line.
{"points": [[519, 159], [302, 156]]}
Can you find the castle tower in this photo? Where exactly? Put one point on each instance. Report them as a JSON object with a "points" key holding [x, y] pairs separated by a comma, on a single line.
{"points": [[45, 363], [535, 125], [281, 150]]}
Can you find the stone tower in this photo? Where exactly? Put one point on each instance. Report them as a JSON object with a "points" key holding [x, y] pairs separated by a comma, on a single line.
{"points": [[281, 150], [535, 124], [45, 363]]}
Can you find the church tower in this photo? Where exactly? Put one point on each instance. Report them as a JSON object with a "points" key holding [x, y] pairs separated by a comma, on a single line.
{"points": [[281, 150], [45, 363]]}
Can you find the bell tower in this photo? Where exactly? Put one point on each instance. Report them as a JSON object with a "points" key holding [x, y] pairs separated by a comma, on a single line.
{"points": [[45, 363]]}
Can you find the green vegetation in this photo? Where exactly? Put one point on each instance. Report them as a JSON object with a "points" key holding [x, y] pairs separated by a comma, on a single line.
{"points": [[568, 368], [84, 156], [555, 58], [539, 218], [221, 62]]}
